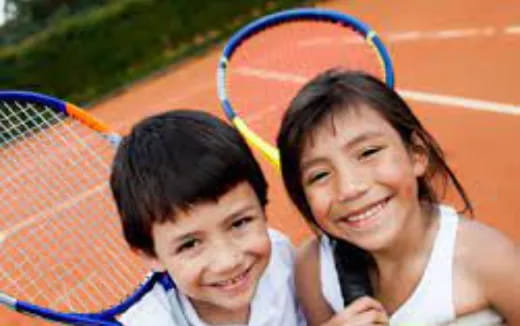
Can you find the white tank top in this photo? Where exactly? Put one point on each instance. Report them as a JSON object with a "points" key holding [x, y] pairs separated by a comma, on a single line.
{"points": [[431, 302]]}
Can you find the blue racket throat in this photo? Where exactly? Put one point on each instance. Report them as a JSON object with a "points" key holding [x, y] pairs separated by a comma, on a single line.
{"points": [[104, 318]]}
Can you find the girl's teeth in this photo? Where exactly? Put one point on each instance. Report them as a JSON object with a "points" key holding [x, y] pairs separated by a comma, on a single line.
{"points": [[366, 214]]}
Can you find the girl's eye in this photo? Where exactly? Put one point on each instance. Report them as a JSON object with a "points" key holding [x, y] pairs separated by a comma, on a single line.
{"points": [[315, 177], [187, 245], [368, 152], [242, 222]]}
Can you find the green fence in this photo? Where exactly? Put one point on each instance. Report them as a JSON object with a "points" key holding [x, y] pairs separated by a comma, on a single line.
{"points": [[85, 57]]}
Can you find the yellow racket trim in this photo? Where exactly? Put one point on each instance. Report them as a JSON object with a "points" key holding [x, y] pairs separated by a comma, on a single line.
{"points": [[369, 39], [268, 150]]}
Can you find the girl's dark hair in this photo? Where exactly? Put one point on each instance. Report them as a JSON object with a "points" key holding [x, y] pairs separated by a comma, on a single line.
{"points": [[337, 90], [173, 160]]}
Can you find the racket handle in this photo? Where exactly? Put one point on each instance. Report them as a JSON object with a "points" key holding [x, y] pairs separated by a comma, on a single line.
{"points": [[269, 151]]}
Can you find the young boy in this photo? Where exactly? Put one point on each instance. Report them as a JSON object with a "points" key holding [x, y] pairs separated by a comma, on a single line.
{"points": [[191, 199]]}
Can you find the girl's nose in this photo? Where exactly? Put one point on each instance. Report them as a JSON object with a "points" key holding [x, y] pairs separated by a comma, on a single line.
{"points": [[351, 185]]}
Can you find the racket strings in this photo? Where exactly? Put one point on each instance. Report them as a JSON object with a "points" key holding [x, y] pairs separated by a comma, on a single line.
{"points": [[266, 71], [45, 158], [45, 153], [60, 239]]}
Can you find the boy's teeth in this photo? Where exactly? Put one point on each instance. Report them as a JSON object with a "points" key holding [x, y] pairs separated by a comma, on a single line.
{"points": [[232, 281], [366, 214]]}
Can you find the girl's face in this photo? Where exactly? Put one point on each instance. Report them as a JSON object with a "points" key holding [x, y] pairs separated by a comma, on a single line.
{"points": [[359, 179]]}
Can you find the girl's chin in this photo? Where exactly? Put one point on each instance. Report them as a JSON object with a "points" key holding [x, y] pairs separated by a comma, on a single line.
{"points": [[374, 241]]}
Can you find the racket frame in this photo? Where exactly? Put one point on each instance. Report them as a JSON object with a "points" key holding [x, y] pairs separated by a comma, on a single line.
{"points": [[105, 317], [249, 30]]}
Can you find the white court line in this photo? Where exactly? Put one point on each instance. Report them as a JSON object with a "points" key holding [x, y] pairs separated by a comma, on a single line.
{"points": [[461, 33], [405, 36], [473, 104], [512, 29], [408, 36], [460, 102], [52, 211]]}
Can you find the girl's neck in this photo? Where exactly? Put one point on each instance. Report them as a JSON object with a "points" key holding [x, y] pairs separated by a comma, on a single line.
{"points": [[414, 240]]}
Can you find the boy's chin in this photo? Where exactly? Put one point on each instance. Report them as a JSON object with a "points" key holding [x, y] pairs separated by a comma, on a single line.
{"points": [[239, 296], [224, 307]]}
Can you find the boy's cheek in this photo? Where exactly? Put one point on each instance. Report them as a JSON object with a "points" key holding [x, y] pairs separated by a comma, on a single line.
{"points": [[258, 243]]}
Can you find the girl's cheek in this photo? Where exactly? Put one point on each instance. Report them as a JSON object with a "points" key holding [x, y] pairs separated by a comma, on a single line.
{"points": [[319, 204]]}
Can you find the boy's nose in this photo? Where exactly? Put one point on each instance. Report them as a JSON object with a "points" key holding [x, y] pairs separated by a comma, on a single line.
{"points": [[225, 258]]}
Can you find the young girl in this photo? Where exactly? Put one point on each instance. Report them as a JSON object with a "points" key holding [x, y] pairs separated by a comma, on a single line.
{"points": [[364, 172]]}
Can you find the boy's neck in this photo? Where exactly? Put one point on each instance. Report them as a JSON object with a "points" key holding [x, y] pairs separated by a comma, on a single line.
{"points": [[214, 315]]}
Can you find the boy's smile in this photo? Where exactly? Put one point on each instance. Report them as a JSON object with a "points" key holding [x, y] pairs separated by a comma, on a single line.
{"points": [[216, 253]]}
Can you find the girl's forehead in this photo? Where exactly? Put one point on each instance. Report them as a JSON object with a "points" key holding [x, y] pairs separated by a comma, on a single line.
{"points": [[346, 124]]}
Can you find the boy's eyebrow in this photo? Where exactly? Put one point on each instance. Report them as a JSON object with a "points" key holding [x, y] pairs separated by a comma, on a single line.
{"points": [[238, 213], [185, 236], [229, 218], [351, 143]]}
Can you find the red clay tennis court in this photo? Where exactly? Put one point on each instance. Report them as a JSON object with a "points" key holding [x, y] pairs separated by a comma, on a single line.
{"points": [[455, 64]]}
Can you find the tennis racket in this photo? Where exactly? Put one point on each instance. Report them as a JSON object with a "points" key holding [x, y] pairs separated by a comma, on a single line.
{"points": [[265, 63], [63, 254]]}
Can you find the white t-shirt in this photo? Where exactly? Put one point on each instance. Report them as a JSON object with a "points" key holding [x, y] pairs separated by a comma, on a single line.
{"points": [[274, 303]]}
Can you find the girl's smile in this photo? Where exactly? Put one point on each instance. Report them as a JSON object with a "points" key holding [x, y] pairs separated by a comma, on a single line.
{"points": [[365, 218]]}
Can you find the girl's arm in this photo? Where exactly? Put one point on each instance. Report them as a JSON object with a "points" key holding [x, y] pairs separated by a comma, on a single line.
{"points": [[495, 261], [308, 284], [363, 311], [501, 278]]}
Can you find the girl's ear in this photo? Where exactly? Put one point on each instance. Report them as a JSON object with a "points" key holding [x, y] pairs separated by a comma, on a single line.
{"points": [[152, 262], [419, 156]]}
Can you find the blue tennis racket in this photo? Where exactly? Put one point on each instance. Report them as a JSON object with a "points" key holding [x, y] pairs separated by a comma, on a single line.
{"points": [[63, 254], [265, 63]]}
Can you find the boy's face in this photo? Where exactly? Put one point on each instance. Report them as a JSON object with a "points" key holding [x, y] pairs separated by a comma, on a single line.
{"points": [[216, 252]]}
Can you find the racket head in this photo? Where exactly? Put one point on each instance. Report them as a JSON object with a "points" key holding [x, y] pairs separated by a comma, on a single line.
{"points": [[63, 254], [278, 53]]}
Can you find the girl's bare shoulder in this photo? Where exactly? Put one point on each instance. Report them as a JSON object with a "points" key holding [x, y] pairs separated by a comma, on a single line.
{"points": [[491, 261], [481, 246]]}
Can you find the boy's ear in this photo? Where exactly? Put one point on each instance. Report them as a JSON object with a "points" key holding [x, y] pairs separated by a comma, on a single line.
{"points": [[419, 156], [153, 263]]}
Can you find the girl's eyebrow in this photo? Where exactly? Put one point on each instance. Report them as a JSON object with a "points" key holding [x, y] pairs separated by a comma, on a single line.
{"points": [[362, 138], [351, 143]]}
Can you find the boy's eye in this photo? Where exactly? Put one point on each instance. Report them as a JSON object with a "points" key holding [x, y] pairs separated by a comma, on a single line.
{"points": [[240, 223], [187, 245]]}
